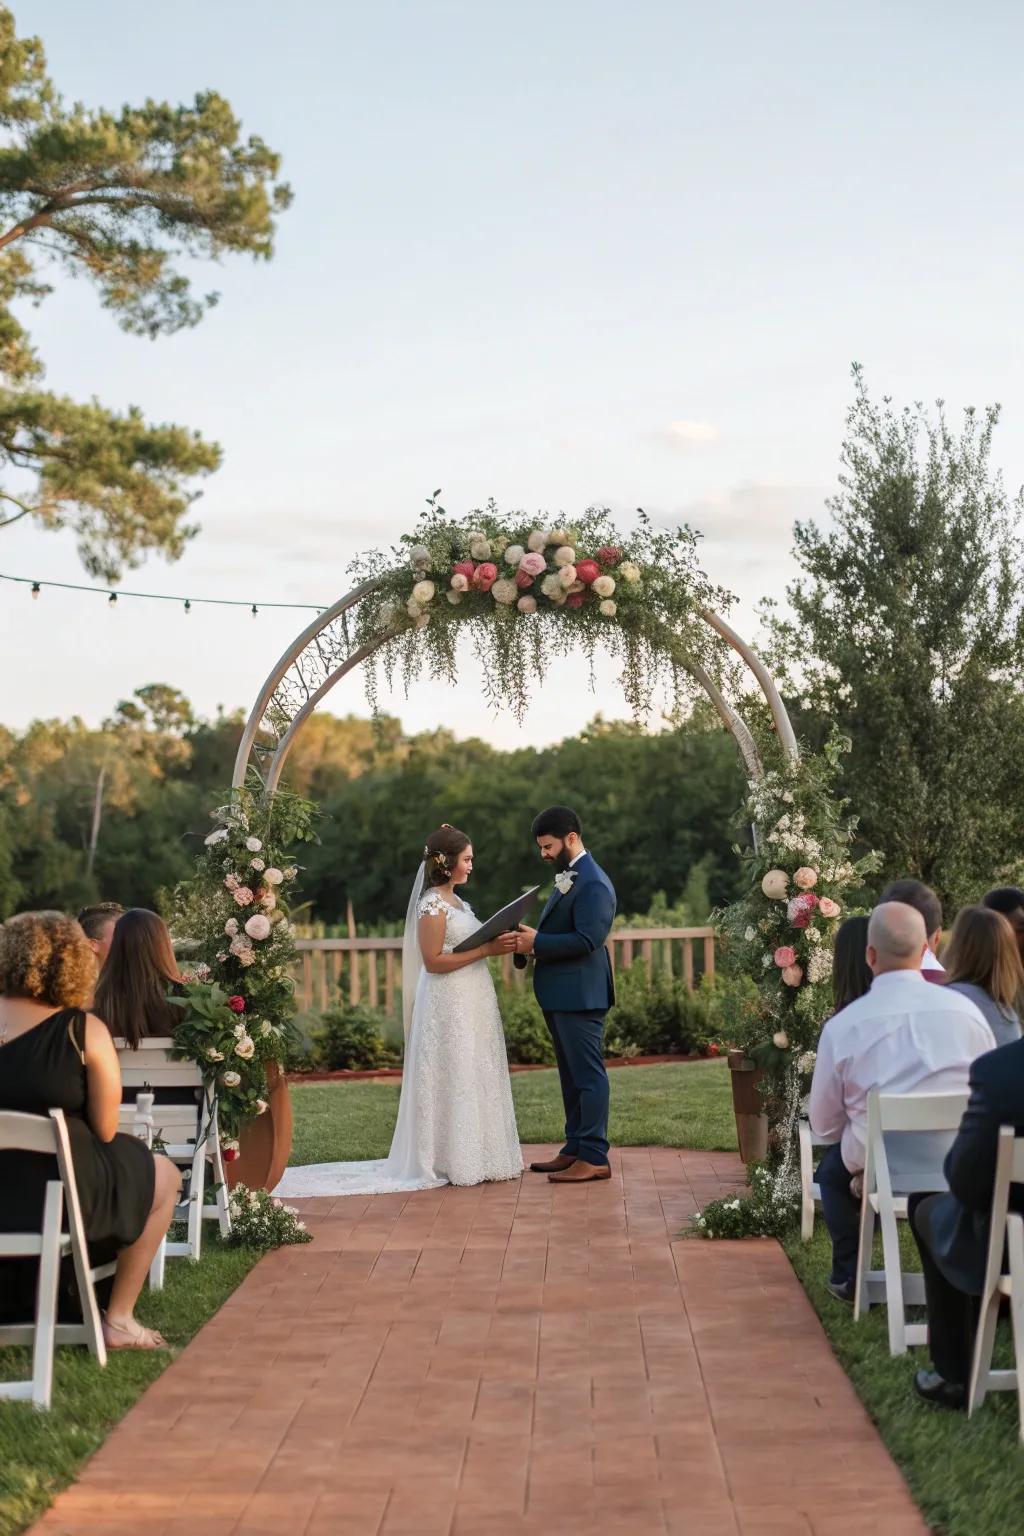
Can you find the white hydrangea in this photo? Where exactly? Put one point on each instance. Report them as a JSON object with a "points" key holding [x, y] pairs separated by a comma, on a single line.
{"points": [[505, 593], [253, 844]]}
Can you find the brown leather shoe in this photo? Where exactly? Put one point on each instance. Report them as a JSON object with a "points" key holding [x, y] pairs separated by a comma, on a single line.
{"points": [[581, 1173], [563, 1160]]}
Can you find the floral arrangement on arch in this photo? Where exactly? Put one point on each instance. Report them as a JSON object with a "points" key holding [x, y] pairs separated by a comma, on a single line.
{"points": [[238, 997], [529, 588], [782, 932]]}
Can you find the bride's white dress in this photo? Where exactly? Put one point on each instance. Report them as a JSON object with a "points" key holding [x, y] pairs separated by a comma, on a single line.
{"points": [[456, 1123]]}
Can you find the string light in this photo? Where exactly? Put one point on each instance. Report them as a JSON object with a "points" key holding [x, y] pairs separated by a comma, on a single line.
{"points": [[36, 587]]}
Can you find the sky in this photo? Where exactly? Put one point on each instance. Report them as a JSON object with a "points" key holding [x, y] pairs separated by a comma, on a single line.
{"points": [[562, 254]]}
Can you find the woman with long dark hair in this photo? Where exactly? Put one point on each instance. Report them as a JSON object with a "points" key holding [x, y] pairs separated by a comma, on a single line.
{"points": [[851, 974], [131, 994]]}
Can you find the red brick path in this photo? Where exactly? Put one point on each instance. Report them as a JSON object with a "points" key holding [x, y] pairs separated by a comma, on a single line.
{"points": [[510, 1360]]}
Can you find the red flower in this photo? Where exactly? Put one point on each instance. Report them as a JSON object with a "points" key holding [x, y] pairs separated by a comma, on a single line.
{"points": [[587, 571], [229, 1154], [464, 568], [236, 1004], [607, 555], [485, 576], [524, 580], [575, 600]]}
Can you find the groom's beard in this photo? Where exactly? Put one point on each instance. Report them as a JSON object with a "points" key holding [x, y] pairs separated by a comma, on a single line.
{"points": [[562, 862]]}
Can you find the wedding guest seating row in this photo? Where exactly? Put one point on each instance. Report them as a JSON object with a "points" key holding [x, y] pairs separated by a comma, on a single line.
{"points": [[49, 1135], [1006, 1230]]}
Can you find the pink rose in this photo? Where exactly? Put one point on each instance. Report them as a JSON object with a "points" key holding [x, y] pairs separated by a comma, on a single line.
{"points": [[829, 908], [533, 563], [805, 878], [231, 882], [609, 555], [785, 955], [485, 576], [792, 975], [258, 927], [463, 568], [243, 896], [801, 908], [524, 580], [575, 599]]}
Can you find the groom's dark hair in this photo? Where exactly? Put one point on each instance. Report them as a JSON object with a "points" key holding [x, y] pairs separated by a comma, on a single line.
{"points": [[557, 821]]}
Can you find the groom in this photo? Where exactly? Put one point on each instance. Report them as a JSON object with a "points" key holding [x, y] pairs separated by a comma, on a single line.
{"points": [[573, 982]]}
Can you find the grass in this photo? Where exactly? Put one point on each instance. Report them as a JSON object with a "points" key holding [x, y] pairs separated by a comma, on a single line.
{"points": [[966, 1475], [675, 1105], [42, 1452]]}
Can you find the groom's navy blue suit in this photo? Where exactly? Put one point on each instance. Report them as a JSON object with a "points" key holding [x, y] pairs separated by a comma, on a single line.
{"points": [[572, 978]]}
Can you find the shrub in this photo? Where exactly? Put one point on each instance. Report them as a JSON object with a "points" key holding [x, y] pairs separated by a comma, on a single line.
{"points": [[350, 1038], [766, 1209], [260, 1220], [527, 1038], [655, 1016]]}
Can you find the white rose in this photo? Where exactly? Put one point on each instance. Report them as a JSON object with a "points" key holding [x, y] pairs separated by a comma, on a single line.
{"points": [[459, 582], [423, 592], [565, 555], [538, 540], [566, 577], [258, 865], [239, 1031], [214, 1055], [604, 586], [513, 554], [419, 555], [266, 1027], [750, 935], [609, 608], [290, 872], [480, 549], [246, 1048], [505, 592], [273, 876], [550, 585], [262, 1106], [781, 1039], [253, 844], [527, 604], [215, 837], [455, 598], [413, 608], [559, 597], [476, 535], [230, 1079], [629, 572], [559, 536]]}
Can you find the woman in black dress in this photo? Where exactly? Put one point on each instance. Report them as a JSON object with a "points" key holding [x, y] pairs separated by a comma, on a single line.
{"points": [[54, 1055]]}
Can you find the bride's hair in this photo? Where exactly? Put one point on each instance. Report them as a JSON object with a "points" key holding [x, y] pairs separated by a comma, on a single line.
{"points": [[440, 853]]}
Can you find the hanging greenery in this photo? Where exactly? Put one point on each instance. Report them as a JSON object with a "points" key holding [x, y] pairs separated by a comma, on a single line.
{"points": [[527, 591]]}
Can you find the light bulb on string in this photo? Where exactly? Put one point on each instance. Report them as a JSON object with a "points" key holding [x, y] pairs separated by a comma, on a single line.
{"points": [[255, 610], [188, 605], [36, 589], [112, 600]]}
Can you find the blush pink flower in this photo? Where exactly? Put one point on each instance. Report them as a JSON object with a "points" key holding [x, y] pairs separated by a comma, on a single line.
{"points": [[793, 975], [533, 563], [243, 896], [485, 576], [829, 908], [805, 877], [785, 955]]}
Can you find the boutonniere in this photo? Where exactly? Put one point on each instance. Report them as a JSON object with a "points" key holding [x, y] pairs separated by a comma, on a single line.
{"points": [[563, 882]]}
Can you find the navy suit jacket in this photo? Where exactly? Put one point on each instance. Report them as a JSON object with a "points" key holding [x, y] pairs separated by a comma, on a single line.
{"points": [[572, 972], [955, 1226]]}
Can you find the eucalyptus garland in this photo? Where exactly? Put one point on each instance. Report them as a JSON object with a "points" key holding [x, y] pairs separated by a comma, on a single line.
{"points": [[527, 591]]}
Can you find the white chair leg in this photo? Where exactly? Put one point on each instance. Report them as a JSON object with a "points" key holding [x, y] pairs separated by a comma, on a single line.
{"points": [[158, 1266], [861, 1289], [984, 1343], [893, 1284], [1015, 1247], [92, 1324], [46, 1298], [196, 1195], [217, 1169], [806, 1182]]}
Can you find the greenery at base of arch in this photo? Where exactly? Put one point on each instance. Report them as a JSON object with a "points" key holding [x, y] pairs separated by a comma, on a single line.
{"points": [[527, 591]]}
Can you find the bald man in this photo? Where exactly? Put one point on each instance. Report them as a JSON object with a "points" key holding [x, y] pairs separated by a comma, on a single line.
{"points": [[903, 1036]]}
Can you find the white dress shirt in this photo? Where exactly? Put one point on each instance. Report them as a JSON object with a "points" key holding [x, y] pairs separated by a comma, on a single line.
{"points": [[581, 855], [904, 1036]]}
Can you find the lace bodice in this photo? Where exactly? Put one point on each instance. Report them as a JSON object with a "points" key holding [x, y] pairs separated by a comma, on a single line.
{"points": [[460, 922]]}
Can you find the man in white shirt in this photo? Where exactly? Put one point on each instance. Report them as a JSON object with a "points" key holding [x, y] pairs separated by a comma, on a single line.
{"points": [[903, 1036]]}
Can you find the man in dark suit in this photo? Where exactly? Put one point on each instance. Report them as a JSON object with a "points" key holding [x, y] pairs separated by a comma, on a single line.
{"points": [[952, 1229], [572, 979]]}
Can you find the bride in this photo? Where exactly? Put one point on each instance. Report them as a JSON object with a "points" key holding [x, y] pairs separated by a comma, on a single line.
{"points": [[456, 1124]]}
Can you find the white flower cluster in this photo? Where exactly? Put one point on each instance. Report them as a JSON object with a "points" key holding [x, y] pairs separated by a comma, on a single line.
{"points": [[261, 1220], [819, 966], [790, 832]]}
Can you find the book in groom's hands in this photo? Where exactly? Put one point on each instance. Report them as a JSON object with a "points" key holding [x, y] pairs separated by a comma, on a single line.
{"points": [[504, 921]]}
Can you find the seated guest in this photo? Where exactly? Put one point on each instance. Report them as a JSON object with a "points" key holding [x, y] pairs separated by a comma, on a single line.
{"points": [[914, 893], [57, 1056], [851, 974], [952, 1229], [901, 1037], [1009, 900], [98, 924], [982, 962], [131, 994]]}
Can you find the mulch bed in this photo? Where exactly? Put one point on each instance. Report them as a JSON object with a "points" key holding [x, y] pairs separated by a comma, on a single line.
{"points": [[384, 1074]]}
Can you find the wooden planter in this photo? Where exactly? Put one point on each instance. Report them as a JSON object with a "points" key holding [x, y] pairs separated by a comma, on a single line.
{"points": [[748, 1107], [266, 1143]]}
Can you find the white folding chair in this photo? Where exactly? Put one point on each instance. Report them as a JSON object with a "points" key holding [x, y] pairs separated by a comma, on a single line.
{"points": [[884, 1200], [810, 1194], [1005, 1226], [49, 1135], [186, 1133]]}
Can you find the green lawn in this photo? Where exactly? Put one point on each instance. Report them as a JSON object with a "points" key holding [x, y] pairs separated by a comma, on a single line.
{"points": [[967, 1476], [677, 1105], [41, 1452]]}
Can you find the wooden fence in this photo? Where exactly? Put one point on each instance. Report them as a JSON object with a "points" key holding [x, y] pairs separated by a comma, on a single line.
{"points": [[370, 970]]}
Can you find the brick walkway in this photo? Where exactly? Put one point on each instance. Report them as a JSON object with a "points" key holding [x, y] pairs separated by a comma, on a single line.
{"points": [[504, 1361]]}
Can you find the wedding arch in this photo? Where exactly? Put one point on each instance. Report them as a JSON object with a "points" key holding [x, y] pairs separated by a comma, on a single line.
{"points": [[524, 590]]}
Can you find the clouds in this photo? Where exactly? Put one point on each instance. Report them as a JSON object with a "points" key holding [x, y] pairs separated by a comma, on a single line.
{"points": [[688, 434]]}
